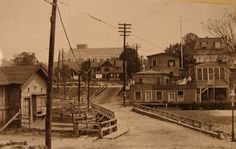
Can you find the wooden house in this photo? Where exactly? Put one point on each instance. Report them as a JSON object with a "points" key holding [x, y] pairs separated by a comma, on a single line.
{"points": [[153, 86], [22, 95]]}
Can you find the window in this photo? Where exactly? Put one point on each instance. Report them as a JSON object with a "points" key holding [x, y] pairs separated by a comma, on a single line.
{"points": [[41, 90], [138, 96], [40, 102], [106, 69], [199, 74], [205, 75], [210, 73], [216, 73], [158, 95], [222, 74], [154, 63], [204, 45], [140, 80], [158, 81], [167, 81], [171, 63], [28, 89], [217, 45], [35, 87], [180, 95]]}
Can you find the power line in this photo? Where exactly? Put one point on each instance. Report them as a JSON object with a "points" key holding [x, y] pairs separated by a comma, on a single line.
{"points": [[104, 22], [67, 38]]}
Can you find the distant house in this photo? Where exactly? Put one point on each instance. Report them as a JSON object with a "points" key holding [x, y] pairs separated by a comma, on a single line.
{"points": [[82, 53], [211, 50], [165, 62], [111, 69], [22, 95], [155, 86], [212, 80]]}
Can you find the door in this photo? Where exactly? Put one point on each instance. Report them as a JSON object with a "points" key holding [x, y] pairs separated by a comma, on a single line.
{"points": [[171, 96], [26, 112], [148, 96]]}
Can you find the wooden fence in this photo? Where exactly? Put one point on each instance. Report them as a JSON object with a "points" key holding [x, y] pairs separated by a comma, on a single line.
{"points": [[176, 117]]}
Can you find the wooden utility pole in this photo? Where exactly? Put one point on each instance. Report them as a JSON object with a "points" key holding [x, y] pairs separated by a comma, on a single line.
{"points": [[64, 74], [137, 46], [79, 90], [88, 97], [50, 77], [124, 29], [58, 72]]}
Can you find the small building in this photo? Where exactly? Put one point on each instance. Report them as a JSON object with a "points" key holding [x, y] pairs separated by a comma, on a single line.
{"points": [[165, 62], [212, 80], [22, 95], [155, 86]]}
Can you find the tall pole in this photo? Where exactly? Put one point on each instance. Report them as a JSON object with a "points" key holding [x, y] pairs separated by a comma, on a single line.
{"points": [[181, 45], [64, 74], [232, 133], [58, 72], [50, 77], [88, 97], [124, 29], [136, 58], [79, 90]]}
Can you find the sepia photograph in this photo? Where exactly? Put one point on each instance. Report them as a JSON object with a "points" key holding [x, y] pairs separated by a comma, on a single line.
{"points": [[117, 74]]}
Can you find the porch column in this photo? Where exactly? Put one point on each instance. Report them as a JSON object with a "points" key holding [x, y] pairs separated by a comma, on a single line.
{"points": [[200, 95]]}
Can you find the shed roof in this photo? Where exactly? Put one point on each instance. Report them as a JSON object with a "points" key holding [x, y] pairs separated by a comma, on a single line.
{"points": [[19, 74], [169, 54]]}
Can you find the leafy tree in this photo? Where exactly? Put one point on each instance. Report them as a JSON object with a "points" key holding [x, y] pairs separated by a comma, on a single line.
{"points": [[132, 60], [189, 42], [224, 28], [25, 58]]}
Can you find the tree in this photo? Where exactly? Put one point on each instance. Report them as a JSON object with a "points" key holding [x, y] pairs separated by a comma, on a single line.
{"points": [[132, 60], [189, 42], [25, 58], [224, 28]]}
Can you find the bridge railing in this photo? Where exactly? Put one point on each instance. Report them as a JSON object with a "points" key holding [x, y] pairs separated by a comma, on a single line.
{"points": [[176, 117]]}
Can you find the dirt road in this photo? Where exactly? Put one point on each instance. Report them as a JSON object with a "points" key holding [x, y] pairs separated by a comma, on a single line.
{"points": [[144, 133]]}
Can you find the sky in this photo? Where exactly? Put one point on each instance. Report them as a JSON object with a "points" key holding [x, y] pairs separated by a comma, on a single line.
{"points": [[25, 24]]}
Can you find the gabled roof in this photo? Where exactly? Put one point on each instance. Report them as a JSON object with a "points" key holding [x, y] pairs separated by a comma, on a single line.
{"points": [[107, 63], [19, 74], [169, 54]]}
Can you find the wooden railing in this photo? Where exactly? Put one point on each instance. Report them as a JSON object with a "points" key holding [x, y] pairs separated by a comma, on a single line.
{"points": [[176, 117], [103, 111]]}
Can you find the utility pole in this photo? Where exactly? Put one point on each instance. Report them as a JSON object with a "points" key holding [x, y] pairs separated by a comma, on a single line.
{"points": [[181, 45], [78, 89], [137, 46], [58, 72], [88, 97], [124, 29], [48, 121], [64, 74]]}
